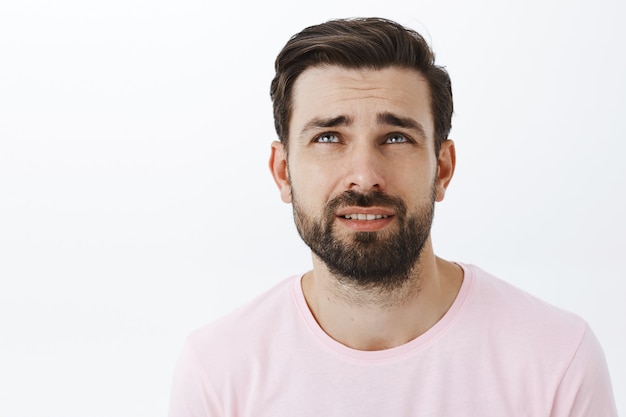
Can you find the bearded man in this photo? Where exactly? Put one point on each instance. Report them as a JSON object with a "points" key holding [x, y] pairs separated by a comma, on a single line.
{"points": [[381, 326]]}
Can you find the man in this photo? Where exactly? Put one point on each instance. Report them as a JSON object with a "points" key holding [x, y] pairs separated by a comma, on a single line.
{"points": [[381, 326]]}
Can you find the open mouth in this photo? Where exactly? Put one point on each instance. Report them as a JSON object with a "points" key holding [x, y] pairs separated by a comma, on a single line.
{"points": [[361, 216]]}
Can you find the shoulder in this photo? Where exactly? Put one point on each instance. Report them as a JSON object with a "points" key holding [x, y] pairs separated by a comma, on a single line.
{"points": [[554, 350], [248, 321], [228, 347], [505, 302], [513, 322], [225, 352]]}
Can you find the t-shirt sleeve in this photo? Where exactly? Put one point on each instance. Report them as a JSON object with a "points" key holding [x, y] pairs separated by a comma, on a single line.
{"points": [[191, 395], [585, 390]]}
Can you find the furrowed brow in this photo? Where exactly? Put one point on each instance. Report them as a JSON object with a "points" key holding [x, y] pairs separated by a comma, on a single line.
{"points": [[391, 119], [325, 123]]}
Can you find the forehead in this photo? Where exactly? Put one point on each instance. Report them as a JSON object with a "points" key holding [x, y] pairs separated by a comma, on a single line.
{"points": [[332, 91]]}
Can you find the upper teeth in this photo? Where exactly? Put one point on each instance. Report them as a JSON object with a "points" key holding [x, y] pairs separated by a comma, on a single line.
{"points": [[365, 216]]}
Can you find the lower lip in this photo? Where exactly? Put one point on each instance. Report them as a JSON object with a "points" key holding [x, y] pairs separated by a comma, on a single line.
{"points": [[365, 225]]}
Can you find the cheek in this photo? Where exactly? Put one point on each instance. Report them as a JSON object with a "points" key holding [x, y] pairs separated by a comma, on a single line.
{"points": [[310, 192], [414, 187]]}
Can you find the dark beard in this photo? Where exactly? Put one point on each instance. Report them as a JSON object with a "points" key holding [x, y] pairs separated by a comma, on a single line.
{"points": [[370, 259]]}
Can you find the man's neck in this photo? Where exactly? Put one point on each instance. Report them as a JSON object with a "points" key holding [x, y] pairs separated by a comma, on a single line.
{"points": [[371, 318]]}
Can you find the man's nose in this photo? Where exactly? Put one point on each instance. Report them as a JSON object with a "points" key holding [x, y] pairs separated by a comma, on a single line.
{"points": [[365, 169]]}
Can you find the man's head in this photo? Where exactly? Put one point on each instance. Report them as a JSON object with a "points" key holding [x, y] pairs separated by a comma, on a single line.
{"points": [[366, 161], [364, 43]]}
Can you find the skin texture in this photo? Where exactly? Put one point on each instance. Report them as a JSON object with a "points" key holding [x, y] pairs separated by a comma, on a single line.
{"points": [[367, 131]]}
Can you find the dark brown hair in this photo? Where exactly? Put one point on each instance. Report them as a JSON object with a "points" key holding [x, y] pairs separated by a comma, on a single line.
{"points": [[373, 43]]}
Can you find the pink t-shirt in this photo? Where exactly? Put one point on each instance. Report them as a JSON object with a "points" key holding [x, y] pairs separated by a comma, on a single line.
{"points": [[497, 352]]}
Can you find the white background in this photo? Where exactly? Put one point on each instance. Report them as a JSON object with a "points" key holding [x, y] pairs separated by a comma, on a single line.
{"points": [[136, 203]]}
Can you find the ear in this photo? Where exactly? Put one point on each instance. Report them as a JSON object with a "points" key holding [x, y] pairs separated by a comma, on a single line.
{"points": [[445, 167], [278, 167]]}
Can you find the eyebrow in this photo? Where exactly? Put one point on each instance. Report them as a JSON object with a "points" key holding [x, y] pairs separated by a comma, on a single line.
{"points": [[391, 119], [384, 118], [325, 123]]}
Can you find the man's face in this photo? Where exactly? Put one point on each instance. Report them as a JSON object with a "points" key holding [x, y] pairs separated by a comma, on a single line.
{"points": [[361, 170]]}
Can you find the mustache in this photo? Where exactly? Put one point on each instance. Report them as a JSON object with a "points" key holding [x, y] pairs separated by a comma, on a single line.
{"points": [[370, 199]]}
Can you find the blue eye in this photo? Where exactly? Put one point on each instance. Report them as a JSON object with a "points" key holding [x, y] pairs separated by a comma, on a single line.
{"points": [[397, 138], [327, 138]]}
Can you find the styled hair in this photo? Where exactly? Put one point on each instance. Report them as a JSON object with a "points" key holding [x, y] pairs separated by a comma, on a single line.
{"points": [[360, 43]]}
